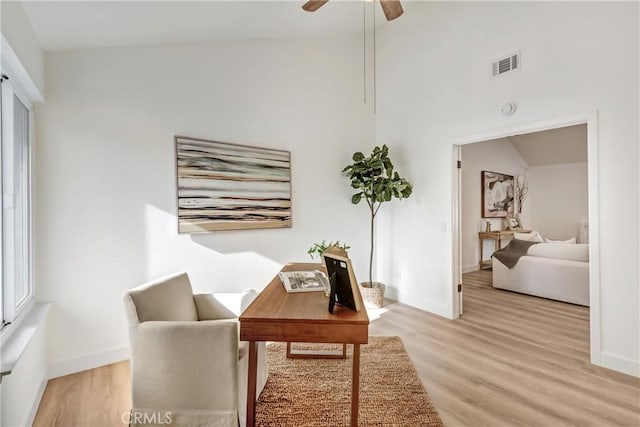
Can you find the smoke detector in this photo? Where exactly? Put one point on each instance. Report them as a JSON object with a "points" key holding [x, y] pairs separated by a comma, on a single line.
{"points": [[508, 109]]}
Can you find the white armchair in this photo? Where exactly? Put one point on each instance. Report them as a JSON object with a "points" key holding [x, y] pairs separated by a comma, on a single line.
{"points": [[187, 363]]}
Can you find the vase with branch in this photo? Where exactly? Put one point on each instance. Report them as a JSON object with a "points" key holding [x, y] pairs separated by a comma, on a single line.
{"points": [[376, 182], [522, 189]]}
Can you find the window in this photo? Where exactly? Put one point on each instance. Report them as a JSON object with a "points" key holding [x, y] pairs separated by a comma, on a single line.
{"points": [[15, 150]]}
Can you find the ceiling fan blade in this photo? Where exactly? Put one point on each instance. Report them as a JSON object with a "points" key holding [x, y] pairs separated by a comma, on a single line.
{"points": [[392, 9], [313, 5]]}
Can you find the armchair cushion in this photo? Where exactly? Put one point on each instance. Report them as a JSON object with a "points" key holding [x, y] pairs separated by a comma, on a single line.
{"points": [[168, 298]]}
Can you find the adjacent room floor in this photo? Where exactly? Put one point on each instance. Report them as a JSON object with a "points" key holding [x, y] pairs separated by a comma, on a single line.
{"points": [[510, 360]]}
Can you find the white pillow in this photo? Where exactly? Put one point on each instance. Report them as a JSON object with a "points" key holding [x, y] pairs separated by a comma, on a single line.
{"points": [[568, 251], [571, 240], [534, 236]]}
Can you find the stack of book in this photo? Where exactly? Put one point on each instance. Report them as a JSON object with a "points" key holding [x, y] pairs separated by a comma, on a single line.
{"points": [[304, 281]]}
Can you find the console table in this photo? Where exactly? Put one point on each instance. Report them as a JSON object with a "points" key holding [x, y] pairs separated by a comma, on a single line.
{"points": [[276, 315], [497, 237]]}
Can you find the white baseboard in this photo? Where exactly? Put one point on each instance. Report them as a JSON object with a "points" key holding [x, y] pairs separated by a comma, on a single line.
{"points": [[36, 401], [430, 306], [470, 268], [391, 293], [88, 361], [620, 364]]}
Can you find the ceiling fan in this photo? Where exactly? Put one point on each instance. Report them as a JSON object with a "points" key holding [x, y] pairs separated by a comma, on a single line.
{"points": [[392, 8]]}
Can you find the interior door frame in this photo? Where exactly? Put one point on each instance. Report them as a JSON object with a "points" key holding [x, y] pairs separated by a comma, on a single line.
{"points": [[457, 233], [591, 120]]}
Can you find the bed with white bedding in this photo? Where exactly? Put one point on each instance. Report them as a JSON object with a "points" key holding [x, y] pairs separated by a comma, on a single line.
{"points": [[558, 271]]}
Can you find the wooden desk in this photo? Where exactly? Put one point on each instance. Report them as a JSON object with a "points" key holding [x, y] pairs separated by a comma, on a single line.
{"points": [[276, 315]]}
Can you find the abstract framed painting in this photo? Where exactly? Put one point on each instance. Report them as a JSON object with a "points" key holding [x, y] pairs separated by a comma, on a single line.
{"points": [[223, 186], [497, 195]]}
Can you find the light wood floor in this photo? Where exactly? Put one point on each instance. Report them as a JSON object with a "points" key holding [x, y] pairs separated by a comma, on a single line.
{"points": [[511, 360]]}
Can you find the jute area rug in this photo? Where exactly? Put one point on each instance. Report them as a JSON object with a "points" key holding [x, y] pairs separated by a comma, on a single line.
{"points": [[317, 392]]}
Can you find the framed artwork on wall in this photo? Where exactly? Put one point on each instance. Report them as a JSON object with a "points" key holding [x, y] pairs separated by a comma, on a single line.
{"points": [[223, 186], [497, 195]]}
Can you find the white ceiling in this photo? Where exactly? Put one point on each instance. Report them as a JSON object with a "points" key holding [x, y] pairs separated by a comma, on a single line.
{"points": [[555, 146], [60, 25]]}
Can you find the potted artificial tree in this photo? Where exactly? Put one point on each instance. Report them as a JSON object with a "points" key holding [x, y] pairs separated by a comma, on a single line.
{"points": [[376, 182]]}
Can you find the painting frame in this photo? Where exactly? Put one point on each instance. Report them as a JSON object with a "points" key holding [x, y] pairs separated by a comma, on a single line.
{"points": [[513, 222], [497, 194], [227, 186]]}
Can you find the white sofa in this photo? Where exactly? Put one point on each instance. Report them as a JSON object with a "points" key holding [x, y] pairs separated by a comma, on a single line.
{"points": [[549, 270]]}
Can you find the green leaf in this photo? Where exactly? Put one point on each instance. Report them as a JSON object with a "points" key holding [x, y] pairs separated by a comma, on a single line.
{"points": [[355, 199], [358, 156], [388, 194]]}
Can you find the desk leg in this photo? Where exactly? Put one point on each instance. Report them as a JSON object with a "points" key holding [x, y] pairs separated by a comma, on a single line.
{"points": [[355, 385], [251, 383], [481, 254]]}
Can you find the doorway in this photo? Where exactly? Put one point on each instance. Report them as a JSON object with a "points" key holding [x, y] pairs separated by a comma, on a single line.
{"points": [[524, 131]]}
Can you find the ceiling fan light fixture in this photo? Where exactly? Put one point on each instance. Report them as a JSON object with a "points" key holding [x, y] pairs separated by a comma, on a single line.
{"points": [[313, 5], [392, 8]]}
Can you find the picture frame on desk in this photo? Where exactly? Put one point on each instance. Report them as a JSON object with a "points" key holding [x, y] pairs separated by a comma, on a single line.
{"points": [[342, 279], [514, 222]]}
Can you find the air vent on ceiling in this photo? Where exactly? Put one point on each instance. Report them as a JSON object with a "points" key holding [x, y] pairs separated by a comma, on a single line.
{"points": [[509, 63]]}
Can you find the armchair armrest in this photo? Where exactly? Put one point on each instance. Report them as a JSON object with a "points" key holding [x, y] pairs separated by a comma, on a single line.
{"points": [[185, 364], [209, 308]]}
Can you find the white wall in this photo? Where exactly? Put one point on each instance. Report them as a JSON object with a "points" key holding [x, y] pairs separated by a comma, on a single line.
{"points": [[15, 27], [106, 220], [434, 89], [558, 199], [496, 156]]}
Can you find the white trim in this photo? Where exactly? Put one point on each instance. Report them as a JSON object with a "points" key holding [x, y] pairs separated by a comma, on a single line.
{"points": [[620, 364], [12, 212], [391, 293], [87, 361], [8, 203], [591, 120], [36, 401], [16, 340], [10, 328], [555, 123], [443, 310], [595, 326], [13, 67], [470, 268], [456, 225]]}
